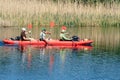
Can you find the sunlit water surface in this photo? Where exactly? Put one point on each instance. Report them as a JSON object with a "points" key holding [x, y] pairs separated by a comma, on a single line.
{"points": [[36, 63]]}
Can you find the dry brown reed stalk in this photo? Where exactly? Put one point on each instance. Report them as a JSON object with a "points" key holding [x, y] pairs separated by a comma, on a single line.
{"points": [[22, 12]]}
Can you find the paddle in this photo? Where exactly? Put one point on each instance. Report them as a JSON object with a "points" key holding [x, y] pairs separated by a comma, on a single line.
{"points": [[52, 24], [29, 27], [30, 33]]}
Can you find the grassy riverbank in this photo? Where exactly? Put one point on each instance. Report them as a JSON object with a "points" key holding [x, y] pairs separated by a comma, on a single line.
{"points": [[22, 12]]}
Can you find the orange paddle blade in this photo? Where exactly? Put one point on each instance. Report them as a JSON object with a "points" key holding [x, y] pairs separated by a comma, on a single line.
{"points": [[29, 26], [52, 24]]}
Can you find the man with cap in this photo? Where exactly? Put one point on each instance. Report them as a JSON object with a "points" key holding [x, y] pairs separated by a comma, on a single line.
{"points": [[23, 35]]}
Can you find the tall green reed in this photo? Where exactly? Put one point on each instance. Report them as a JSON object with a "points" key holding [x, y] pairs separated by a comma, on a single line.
{"points": [[21, 13]]}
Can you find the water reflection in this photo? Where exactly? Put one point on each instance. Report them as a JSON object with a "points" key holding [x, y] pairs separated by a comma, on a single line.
{"points": [[63, 55], [48, 54], [26, 54], [29, 58], [41, 54], [51, 62], [56, 63]]}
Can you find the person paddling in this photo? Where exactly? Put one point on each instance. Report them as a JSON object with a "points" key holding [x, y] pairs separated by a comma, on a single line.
{"points": [[23, 35], [43, 35], [63, 36]]}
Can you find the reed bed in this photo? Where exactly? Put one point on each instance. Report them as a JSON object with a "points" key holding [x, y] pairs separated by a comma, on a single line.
{"points": [[23, 12]]}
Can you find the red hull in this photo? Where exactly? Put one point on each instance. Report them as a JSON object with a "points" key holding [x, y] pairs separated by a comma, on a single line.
{"points": [[69, 43], [49, 42], [35, 42]]}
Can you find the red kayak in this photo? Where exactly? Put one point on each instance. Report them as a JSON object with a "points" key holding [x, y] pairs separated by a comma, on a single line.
{"points": [[49, 42]]}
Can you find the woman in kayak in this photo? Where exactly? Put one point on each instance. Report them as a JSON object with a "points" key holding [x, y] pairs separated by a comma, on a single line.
{"points": [[63, 36], [23, 36]]}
